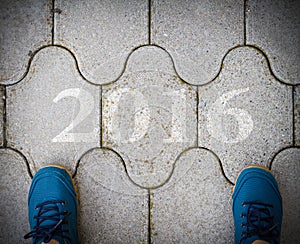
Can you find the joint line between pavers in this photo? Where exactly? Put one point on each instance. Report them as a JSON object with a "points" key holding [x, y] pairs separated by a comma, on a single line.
{"points": [[101, 117], [4, 118], [245, 21], [220, 164], [79, 160], [197, 116], [149, 21], [270, 164], [59, 46], [149, 218], [53, 22], [259, 49], [23, 157], [294, 117]]}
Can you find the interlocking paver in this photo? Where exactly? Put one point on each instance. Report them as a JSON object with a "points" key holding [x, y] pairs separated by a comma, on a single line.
{"points": [[25, 27], [53, 114], [149, 116], [196, 208], [297, 114], [2, 97], [102, 34], [112, 208], [274, 26], [286, 169], [14, 187], [197, 34], [139, 130], [245, 115]]}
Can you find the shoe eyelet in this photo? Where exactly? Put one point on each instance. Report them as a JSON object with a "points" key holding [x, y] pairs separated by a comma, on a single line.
{"points": [[64, 203], [243, 204]]}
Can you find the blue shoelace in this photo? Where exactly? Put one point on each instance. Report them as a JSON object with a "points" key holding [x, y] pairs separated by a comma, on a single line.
{"points": [[260, 222], [47, 232]]}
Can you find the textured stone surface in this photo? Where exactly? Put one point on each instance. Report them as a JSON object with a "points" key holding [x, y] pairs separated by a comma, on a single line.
{"points": [[25, 27], [139, 130], [102, 34], [2, 88], [245, 115], [286, 168], [149, 116], [197, 34], [274, 26], [14, 187], [53, 114], [112, 208], [297, 114], [195, 204]]}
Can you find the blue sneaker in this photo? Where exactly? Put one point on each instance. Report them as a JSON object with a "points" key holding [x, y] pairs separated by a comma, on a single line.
{"points": [[52, 207], [256, 207]]}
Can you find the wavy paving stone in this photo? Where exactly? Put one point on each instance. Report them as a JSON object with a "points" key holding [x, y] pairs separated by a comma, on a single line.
{"points": [[149, 116], [193, 206], [14, 187], [2, 97], [245, 115], [286, 168], [297, 114], [101, 34], [197, 34], [53, 114], [25, 27], [112, 208], [274, 27]]}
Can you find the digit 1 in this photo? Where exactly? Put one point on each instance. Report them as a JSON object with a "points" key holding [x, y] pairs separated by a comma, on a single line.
{"points": [[141, 120], [178, 131]]}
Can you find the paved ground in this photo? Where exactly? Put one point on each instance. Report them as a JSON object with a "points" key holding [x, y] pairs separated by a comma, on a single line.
{"points": [[154, 106]]}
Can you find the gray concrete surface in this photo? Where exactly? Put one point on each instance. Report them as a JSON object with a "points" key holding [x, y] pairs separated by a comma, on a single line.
{"points": [[101, 34], [149, 116], [186, 208], [112, 208], [286, 170], [245, 115], [197, 34], [273, 26], [25, 27], [54, 100], [154, 106], [14, 185]]}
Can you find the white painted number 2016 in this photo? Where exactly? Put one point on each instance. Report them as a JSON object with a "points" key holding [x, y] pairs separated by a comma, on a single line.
{"points": [[142, 120]]}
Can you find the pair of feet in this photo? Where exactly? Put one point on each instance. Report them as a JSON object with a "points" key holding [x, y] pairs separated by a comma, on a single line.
{"points": [[52, 205]]}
